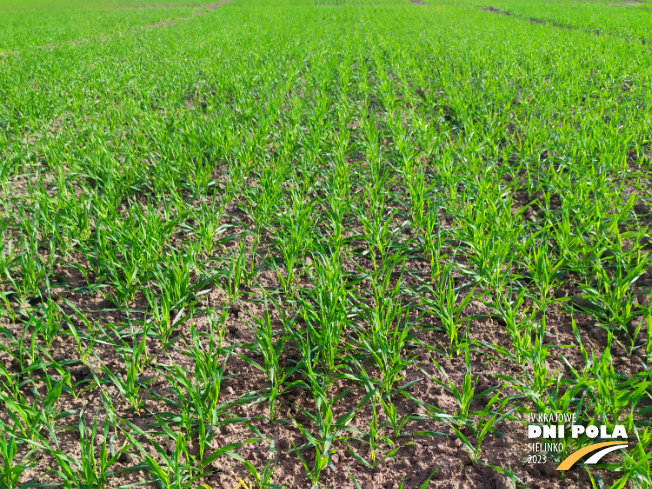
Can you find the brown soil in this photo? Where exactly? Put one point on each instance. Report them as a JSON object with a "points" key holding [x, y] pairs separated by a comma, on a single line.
{"points": [[414, 462], [206, 6], [628, 4], [588, 30], [495, 11]]}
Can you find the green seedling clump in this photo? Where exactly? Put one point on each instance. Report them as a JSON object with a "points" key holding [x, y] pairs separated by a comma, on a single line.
{"points": [[323, 243]]}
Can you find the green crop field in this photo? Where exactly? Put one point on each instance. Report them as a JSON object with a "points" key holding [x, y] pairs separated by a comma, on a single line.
{"points": [[345, 244]]}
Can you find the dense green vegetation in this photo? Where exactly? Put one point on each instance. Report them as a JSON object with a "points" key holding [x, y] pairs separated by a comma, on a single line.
{"points": [[369, 228], [630, 20]]}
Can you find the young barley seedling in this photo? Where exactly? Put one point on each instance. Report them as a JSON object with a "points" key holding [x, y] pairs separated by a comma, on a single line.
{"points": [[129, 386], [48, 322], [446, 302], [324, 309], [13, 465], [95, 470], [271, 345]]}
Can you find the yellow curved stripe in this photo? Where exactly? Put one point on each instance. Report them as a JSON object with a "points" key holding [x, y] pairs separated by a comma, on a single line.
{"points": [[568, 463]]}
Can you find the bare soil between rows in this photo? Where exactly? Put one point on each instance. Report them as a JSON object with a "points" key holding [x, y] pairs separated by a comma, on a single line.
{"points": [[209, 6], [412, 464]]}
